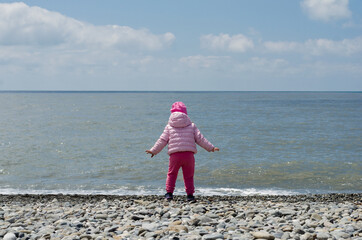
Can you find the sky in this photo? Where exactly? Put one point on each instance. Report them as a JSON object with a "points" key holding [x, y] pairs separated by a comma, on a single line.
{"points": [[204, 45]]}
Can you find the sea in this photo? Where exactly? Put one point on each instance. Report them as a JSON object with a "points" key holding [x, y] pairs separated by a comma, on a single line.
{"points": [[271, 143]]}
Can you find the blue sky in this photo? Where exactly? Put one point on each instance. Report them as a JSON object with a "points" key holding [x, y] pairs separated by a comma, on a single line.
{"points": [[259, 45]]}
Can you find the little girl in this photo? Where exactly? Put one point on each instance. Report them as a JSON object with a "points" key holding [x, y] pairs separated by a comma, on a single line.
{"points": [[181, 135]]}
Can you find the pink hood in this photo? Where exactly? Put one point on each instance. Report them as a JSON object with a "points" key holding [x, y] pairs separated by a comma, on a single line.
{"points": [[179, 120]]}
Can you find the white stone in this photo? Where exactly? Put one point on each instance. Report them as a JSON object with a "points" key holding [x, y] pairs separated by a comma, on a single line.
{"points": [[213, 236], [263, 235], [9, 236]]}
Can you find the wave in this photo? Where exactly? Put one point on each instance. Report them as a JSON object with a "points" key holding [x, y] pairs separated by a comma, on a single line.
{"points": [[145, 190]]}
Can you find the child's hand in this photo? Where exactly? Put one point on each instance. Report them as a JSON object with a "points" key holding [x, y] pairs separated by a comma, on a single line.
{"points": [[215, 149], [149, 152]]}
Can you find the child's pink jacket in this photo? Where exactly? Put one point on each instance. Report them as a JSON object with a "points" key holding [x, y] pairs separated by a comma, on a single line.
{"points": [[181, 135]]}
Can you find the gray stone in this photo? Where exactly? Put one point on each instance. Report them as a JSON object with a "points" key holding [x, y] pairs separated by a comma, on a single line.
{"points": [[62, 222], [299, 231], [174, 212], [177, 228], [136, 217], [194, 222], [323, 236], [250, 214], [150, 234], [111, 229], [11, 220], [199, 209], [316, 216], [193, 237], [213, 236], [340, 234], [82, 219], [212, 215], [150, 226], [285, 236], [278, 235], [142, 212], [276, 213], [101, 216], [77, 224], [349, 228], [46, 231], [86, 236], [202, 232], [311, 224], [221, 225], [308, 236], [205, 219], [113, 215], [287, 228], [286, 212], [2, 233]]}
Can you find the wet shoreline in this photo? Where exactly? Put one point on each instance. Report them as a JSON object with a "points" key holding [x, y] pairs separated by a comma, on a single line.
{"points": [[331, 197]]}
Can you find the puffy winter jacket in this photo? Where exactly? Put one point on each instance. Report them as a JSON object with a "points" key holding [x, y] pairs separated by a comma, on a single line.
{"points": [[181, 135]]}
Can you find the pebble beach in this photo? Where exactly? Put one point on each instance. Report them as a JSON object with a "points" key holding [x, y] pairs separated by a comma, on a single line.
{"points": [[330, 216]]}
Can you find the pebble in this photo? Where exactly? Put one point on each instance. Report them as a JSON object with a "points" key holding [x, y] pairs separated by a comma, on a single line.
{"points": [[9, 236], [262, 235], [323, 236], [137, 217], [177, 228], [340, 235], [199, 209], [213, 236], [82, 217], [101, 216]]}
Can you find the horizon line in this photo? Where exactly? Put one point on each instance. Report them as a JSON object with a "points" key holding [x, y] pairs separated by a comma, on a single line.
{"points": [[166, 91]]}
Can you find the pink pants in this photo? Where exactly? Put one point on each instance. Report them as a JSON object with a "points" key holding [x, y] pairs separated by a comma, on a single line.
{"points": [[185, 160]]}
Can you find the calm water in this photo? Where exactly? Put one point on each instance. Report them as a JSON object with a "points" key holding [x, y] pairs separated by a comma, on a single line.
{"points": [[270, 142]]}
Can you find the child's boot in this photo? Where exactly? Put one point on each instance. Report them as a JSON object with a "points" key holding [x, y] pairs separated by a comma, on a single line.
{"points": [[169, 196], [190, 198]]}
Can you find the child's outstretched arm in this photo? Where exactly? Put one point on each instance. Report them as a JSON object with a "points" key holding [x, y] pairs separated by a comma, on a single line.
{"points": [[160, 143], [203, 142]]}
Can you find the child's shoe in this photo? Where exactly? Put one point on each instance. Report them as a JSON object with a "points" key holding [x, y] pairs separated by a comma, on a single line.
{"points": [[190, 198], [169, 196]]}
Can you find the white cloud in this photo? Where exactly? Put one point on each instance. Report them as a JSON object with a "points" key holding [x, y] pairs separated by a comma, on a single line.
{"points": [[312, 47], [318, 47], [326, 10], [21, 24], [225, 42], [40, 49], [351, 24], [260, 64], [200, 61], [281, 46]]}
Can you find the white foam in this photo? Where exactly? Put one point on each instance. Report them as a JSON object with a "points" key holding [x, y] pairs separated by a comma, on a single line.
{"points": [[244, 192], [120, 191], [145, 190]]}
